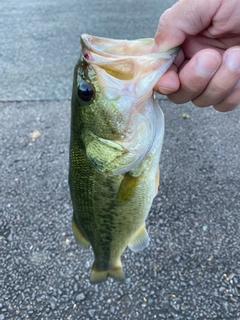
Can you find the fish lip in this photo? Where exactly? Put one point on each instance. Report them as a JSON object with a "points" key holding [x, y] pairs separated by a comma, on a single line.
{"points": [[87, 43], [97, 52]]}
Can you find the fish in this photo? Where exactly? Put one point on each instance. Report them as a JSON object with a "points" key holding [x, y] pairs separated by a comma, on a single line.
{"points": [[117, 130]]}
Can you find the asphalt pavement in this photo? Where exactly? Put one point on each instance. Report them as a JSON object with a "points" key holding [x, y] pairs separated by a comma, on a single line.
{"points": [[191, 269]]}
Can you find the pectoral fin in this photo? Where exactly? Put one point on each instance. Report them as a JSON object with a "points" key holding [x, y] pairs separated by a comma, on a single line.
{"points": [[79, 236], [140, 240], [127, 188]]}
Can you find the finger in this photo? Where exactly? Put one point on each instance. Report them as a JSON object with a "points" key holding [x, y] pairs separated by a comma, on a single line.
{"points": [[190, 18], [195, 75], [223, 81], [194, 44], [231, 102], [169, 82]]}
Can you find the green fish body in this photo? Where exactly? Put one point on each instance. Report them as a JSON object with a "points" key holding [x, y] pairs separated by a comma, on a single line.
{"points": [[117, 131]]}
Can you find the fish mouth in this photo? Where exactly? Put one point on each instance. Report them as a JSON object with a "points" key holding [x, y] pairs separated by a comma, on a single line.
{"points": [[126, 67], [126, 72]]}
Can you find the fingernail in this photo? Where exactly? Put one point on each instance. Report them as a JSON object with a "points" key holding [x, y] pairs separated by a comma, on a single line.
{"points": [[207, 63], [233, 59]]}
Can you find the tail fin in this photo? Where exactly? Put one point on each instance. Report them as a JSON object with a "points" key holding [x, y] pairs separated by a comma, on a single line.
{"points": [[98, 276]]}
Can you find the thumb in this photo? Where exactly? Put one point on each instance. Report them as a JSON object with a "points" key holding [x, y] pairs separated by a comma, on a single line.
{"points": [[184, 18]]}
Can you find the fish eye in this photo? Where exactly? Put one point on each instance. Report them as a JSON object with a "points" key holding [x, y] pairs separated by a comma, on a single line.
{"points": [[85, 91]]}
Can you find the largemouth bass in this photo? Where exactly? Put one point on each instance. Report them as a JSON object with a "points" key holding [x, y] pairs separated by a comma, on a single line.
{"points": [[117, 132]]}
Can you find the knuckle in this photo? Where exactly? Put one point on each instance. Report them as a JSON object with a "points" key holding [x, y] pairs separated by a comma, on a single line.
{"points": [[220, 88], [224, 107], [230, 102], [164, 18], [192, 89], [177, 98], [201, 103]]}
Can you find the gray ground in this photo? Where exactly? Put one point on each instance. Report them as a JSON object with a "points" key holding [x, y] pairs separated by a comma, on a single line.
{"points": [[191, 270]]}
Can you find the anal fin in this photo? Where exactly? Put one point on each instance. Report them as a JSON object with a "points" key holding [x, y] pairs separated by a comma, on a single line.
{"points": [[79, 236], [140, 240]]}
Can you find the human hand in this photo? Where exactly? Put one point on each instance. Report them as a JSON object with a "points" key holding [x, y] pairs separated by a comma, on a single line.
{"points": [[207, 69]]}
